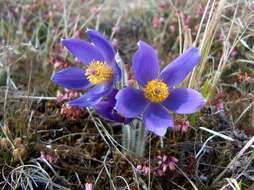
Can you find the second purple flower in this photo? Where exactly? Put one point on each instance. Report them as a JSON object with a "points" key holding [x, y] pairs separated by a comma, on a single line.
{"points": [[100, 72], [157, 95]]}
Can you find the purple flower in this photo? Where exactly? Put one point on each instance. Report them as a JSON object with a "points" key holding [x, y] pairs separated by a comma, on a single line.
{"points": [[157, 95], [100, 72], [105, 109]]}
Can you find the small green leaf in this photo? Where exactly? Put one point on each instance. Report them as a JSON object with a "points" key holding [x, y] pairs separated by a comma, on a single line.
{"points": [[193, 118], [204, 90]]}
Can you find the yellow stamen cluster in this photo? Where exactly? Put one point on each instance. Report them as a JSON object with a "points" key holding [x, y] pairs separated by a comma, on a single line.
{"points": [[99, 72], [156, 91]]}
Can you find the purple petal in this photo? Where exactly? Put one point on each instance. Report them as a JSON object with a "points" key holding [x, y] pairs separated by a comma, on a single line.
{"points": [[157, 119], [145, 64], [117, 71], [102, 44], [72, 78], [111, 98], [130, 102], [93, 96], [106, 50], [82, 50], [184, 101], [106, 109], [177, 71]]}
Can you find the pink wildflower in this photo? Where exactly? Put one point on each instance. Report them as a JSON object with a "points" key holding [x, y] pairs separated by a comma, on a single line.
{"points": [[77, 34], [156, 22], [172, 28], [145, 170], [218, 101], [115, 29], [94, 11], [166, 163], [182, 125], [114, 42], [89, 186], [49, 155]]}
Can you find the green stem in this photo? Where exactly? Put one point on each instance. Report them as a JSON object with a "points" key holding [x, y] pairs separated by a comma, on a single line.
{"points": [[140, 141], [133, 139], [126, 139]]}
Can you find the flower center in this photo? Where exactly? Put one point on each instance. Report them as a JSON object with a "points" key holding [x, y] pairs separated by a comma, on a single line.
{"points": [[99, 72], [156, 91]]}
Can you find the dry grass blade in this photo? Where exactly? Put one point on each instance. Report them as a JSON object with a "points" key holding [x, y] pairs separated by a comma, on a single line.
{"points": [[243, 150]]}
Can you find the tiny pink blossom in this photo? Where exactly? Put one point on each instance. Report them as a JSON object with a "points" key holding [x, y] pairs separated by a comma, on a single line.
{"points": [[164, 168], [145, 170], [49, 155], [185, 126], [171, 166], [77, 34], [234, 53], [220, 106], [164, 158], [218, 101], [159, 157], [251, 6], [181, 125], [115, 29], [166, 163], [94, 11], [174, 159], [114, 42], [163, 7], [172, 28], [89, 186], [67, 95], [139, 167], [200, 10], [156, 22], [159, 172], [69, 112]]}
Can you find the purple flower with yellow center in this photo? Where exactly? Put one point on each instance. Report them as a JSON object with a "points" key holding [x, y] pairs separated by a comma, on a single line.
{"points": [[100, 73], [157, 95]]}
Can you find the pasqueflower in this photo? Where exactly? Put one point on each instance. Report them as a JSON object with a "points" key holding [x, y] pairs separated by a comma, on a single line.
{"points": [[157, 95], [100, 70]]}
